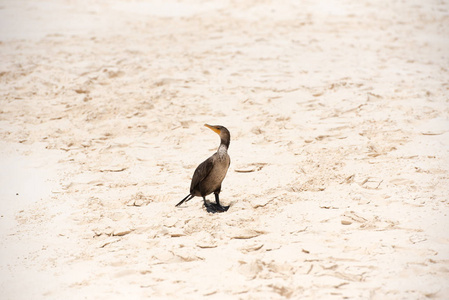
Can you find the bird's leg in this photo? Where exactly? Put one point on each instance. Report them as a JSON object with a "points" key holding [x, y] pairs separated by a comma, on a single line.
{"points": [[219, 206], [210, 207], [214, 207]]}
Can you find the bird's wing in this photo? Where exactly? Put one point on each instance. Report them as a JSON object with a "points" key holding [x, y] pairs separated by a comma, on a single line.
{"points": [[201, 172]]}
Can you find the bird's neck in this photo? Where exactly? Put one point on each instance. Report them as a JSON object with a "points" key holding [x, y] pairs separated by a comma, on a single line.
{"points": [[224, 142], [223, 149]]}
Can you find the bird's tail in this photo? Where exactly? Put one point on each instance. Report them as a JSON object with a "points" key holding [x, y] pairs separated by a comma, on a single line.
{"points": [[187, 198]]}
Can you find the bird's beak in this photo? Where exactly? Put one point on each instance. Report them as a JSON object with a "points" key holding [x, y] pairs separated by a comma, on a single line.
{"points": [[215, 129]]}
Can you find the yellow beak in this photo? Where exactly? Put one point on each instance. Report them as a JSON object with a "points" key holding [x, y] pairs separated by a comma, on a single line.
{"points": [[215, 129]]}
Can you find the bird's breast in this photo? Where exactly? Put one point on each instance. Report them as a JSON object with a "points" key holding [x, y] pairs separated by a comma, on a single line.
{"points": [[220, 168], [213, 181]]}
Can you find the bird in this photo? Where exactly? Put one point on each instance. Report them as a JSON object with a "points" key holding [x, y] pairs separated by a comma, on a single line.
{"points": [[209, 175]]}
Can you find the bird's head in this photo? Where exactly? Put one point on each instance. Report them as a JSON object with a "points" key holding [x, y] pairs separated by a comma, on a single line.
{"points": [[222, 131]]}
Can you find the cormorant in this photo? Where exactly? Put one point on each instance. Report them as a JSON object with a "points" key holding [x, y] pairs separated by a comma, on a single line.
{"points": [[210, 173]]}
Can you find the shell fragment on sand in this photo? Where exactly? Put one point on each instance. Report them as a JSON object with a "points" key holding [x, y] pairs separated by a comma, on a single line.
{"points": [[246, 234]]}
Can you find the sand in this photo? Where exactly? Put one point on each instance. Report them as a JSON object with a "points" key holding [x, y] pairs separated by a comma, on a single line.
{"points": [[339, 117]]}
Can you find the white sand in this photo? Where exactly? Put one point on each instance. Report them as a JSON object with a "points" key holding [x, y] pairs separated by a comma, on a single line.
{"points": [[339, 116]]}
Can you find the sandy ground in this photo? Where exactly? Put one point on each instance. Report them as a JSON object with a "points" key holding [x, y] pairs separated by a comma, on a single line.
{"points": [[339, 116]]}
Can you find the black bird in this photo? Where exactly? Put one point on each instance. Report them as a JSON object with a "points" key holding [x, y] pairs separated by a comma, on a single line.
{"points": [[211, 172]]}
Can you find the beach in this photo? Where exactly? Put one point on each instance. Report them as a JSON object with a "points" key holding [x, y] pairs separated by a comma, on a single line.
{"points": [[339, 120]]}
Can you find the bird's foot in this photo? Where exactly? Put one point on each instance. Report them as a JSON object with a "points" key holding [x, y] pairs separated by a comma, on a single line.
{"points": [[214, 207]]}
